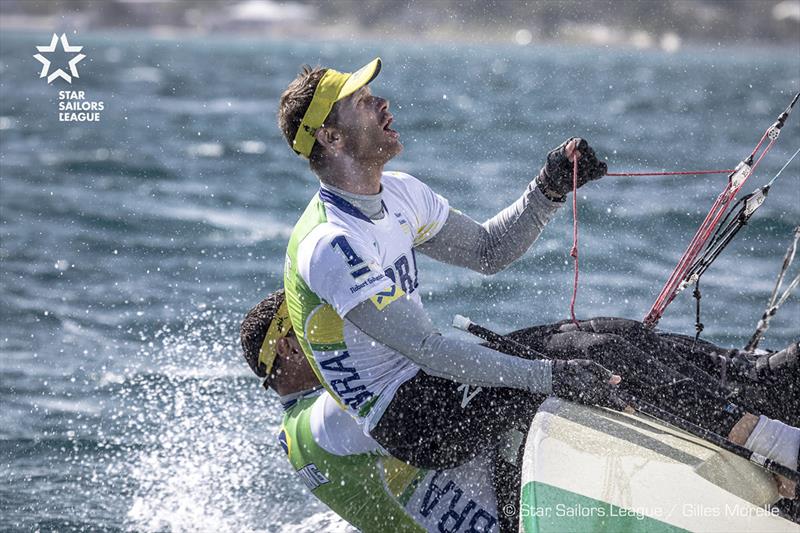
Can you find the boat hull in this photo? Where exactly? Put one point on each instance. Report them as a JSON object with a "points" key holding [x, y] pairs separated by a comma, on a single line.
{"points": [[590, 469]]}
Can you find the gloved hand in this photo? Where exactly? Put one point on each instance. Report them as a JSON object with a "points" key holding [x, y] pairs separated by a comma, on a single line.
{"points": [[584, 381], [555, 178]]}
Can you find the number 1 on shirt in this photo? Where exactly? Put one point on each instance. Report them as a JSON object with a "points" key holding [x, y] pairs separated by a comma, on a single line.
{"points": [[359, 268]]}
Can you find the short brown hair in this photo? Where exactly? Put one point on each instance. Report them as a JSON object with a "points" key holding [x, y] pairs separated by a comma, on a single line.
{"points": [[293, 105], [254, 329]]}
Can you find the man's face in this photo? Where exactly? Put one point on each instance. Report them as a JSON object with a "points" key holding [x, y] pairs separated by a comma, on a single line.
{"points": [[291, 370], [363, 120]]}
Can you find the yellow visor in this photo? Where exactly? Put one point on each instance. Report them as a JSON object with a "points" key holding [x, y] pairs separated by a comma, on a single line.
{"points": [[333, 87], [278, 329]]}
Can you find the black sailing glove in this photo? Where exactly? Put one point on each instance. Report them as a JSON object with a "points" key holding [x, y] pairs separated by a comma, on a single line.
{"points": [[584, 381], [555, 178]]}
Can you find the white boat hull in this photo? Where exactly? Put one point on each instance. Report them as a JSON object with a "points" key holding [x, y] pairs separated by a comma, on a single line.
{"points": [[590, 469]]}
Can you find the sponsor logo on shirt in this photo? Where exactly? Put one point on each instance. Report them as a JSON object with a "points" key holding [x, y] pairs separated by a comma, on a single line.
{"points": [[369, 281], [312, 477], [401, 219], [384, 298]]}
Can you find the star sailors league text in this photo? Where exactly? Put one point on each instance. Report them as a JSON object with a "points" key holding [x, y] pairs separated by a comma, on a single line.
{"points": [[73, 105]]}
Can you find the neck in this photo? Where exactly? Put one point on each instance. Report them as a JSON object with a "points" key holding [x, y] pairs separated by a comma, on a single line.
{"points": [[369, 204], [289, 398], [297, 377], [357, 177]]}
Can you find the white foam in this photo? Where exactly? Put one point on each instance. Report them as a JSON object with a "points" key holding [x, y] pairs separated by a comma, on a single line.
{"points": [[326, 521], [252, 147], [206, 150]]}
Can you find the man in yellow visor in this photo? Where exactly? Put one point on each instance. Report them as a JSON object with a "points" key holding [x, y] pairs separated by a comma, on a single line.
{"points": [[352, 281], [332, 87]]}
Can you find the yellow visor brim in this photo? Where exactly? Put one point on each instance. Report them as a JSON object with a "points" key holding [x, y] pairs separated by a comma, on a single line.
{"points": [[360, 78], [278, 328], [333, 86]]}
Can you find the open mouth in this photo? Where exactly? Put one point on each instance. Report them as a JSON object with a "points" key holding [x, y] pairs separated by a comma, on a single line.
{"points": [[389, 131]]}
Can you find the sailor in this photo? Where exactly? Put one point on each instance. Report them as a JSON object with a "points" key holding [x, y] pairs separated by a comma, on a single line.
{"points": [[340, 465], [352, 278], [346, 469]]}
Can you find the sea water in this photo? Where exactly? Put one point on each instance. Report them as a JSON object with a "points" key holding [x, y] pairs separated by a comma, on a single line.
{"points": [[131, 247]]}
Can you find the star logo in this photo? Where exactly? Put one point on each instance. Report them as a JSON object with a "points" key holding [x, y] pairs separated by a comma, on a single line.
{"points": [[73, 70]]}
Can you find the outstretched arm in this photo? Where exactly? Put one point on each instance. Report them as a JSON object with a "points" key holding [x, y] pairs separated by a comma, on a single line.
{"points": [[490, 247], [452, 359], [575, 379]]}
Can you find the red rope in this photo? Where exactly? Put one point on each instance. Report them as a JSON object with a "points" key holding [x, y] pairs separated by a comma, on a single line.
{"points": [[763, 137], [669, 291], [704, 232], [682, 173], [574, 251]]}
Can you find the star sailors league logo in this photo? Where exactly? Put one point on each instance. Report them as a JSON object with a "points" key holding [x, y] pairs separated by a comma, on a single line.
{"points": [[72, 106], [59, 73]]}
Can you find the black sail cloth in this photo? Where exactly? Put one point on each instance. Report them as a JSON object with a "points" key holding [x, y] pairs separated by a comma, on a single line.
{"points": [[662, 368]]}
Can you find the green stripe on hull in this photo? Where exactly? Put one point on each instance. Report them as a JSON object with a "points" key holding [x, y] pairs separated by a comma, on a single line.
{"points": [[547, 509]]}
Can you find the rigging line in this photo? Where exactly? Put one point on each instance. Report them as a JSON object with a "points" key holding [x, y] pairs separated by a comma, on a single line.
{"points": [[737, 188], [713, 250], [667, 293], [722, 202], [735, 182], [574, 251], [698, 326], [787, 292], [769, 184], [727, 229], [787, 262], [725, 224], [725, 232], [677, 274], [676, 173], [704, 262], [763, 137], [725, 237], [680, 280], [753, 168], [773, 305]]}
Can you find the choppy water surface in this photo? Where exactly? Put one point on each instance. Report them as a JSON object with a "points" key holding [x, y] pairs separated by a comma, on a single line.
{"points": [[132, 248]]}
